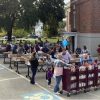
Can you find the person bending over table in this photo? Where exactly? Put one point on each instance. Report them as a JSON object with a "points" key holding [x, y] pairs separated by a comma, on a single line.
{"points": [[66, 56], [34, 66]]}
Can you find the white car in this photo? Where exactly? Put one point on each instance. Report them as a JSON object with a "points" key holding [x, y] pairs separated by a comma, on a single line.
{"points": [[6, 37]]}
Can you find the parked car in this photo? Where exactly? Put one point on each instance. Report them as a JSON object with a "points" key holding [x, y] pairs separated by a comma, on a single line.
{"points": [[33, 36], [6, 37]]}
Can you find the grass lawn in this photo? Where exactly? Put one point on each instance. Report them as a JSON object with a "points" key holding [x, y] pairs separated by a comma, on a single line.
{"points": [[32, 40], [52, 40]]}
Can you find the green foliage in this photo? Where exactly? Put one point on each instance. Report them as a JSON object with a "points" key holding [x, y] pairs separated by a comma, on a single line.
{"points": [[28, 17], [61, 25], [50, 13], [24, 14], [53, 25], [45, 31], [51, 28], [51, 7], [20, 33], [9, 11], [2, 32], [17, 13]]}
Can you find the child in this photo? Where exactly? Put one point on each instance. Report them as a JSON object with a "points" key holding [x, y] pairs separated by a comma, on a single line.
{"points": [[49, 75], [87, 65], [95, 63], [90, 59]]}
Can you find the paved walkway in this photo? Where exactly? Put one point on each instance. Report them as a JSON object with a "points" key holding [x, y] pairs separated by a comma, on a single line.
{"points": [[15, 86]]}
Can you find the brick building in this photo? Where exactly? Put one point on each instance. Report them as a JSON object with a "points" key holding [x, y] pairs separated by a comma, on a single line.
{"points": [[67, 13], [85, 19], [85, 16]]}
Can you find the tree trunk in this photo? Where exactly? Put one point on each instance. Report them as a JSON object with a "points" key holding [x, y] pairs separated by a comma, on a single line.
{"points": [[10, 26], [53, 30], [9, 34]]}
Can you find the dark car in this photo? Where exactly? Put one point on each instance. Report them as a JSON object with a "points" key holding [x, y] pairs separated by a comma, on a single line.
{"points": [[33, 36]]}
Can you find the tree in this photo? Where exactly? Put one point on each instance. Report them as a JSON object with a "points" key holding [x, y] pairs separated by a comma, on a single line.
{"points": [[29, 15], [18, 13], [62, 25], [50, 13], [9, 10]]}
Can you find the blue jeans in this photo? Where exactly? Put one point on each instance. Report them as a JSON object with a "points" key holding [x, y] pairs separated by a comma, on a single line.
{"points": [[58, 80], [33, 75], [49, 81]]}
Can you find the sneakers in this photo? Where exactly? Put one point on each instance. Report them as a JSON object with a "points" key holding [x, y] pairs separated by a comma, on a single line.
{"points": [[33, 83], [57, 93], [47, 80]]}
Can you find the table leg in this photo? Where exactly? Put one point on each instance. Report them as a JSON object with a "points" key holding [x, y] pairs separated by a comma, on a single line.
{"points": [[38, 70], [4, 59], [10, 64], [42, 68], [28, 72], [17, 68]]}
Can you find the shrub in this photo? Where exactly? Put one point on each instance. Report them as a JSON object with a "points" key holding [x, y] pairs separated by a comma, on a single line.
{"points": [[20, 33], [2, 32]]}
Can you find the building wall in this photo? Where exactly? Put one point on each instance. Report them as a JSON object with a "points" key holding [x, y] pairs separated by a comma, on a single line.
{"points": [[87, 16], [67, 13], [84, 18], [90, 40], [96, 16], [87, 23]]}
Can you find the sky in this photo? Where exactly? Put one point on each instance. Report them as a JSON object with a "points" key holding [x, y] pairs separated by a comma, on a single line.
{"points": [[66, 1]]}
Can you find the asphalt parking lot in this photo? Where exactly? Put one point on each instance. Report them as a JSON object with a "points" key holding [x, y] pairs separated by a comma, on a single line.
{"points": [[15, 86]]}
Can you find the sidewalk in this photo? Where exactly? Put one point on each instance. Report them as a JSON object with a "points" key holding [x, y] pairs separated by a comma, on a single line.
{"points": [[15, 86]]}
